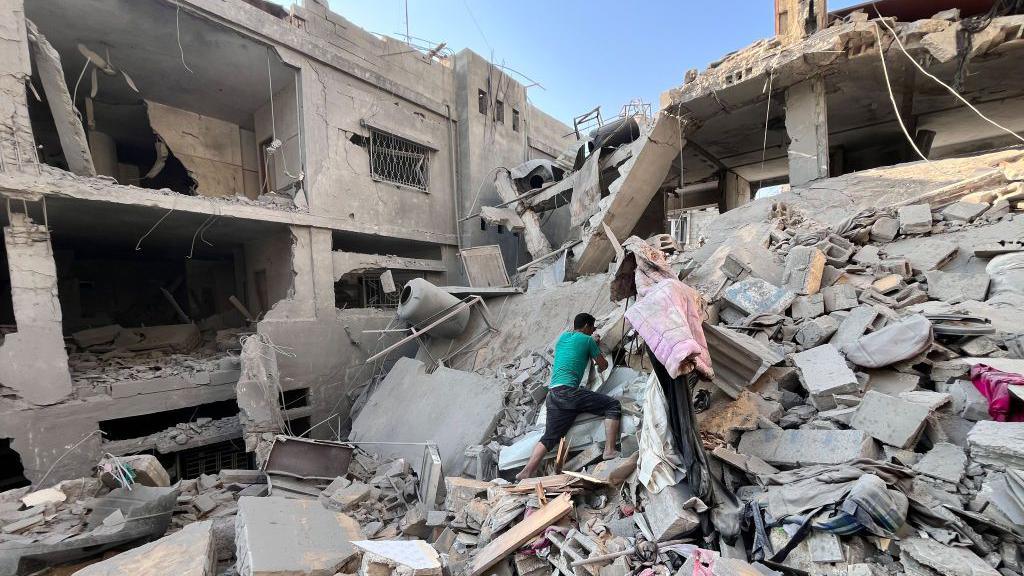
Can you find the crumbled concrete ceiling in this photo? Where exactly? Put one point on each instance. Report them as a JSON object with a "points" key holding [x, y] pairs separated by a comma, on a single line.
{"points": [[145, 44]]}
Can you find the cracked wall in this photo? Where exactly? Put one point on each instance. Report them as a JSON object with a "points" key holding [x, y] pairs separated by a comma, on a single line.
{"points": [[33, 361], [17, 145]]}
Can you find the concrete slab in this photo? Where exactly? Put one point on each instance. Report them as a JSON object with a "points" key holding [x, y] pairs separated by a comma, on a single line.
{"points": [[892, 382], [999, 443], [282, 536], [927, 556], [944, 461], [804, 268], [407, 557], [802, 447], [890, 420], [673, 512], [854, 326], [915, 219], [756, 296], [188, 552], [968, 401], [451, 408], [823, 372], [956, 287], [964, 211]]}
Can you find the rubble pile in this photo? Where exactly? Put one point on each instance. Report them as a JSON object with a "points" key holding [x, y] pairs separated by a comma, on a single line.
{"points": [[527, 387]]}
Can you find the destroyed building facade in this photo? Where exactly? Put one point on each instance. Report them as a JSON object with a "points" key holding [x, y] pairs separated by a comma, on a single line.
{"points": [[179, 173]]}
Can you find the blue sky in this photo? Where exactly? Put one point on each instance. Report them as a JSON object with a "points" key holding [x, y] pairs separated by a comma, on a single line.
{"points": [[584, 53]]}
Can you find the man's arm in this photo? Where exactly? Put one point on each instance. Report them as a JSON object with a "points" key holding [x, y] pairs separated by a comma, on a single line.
{"points": [[595, 353]]}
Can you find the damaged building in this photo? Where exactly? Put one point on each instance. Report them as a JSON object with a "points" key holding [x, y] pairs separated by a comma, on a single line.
{"points": [[304, 321], [237, 168]]}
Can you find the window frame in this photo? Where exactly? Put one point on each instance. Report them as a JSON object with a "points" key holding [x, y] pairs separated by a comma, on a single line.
{"points": [[375, 150]]}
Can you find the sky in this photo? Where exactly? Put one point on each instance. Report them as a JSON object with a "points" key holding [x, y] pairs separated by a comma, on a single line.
{"points": [[581, 53]]}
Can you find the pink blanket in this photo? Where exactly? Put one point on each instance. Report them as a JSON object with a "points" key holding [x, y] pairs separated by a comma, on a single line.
{"points": [[668, 318], [995, 386]]}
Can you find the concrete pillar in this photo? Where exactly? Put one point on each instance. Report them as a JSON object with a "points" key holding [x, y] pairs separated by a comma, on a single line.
{"points": [[807, 126], [104, 153], [33, 361], [17, 146], [736, 190]]}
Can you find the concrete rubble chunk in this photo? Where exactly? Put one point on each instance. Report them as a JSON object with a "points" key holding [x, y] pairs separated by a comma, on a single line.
{"points": [[146, 468], [673, 512], [956, 287], [997, 443], [885, 229], [756, 296], [930, 255], [275, 536], [968, 402], [410, 403], [823, 373], [915, 219], [187, 552], [406, 557], [926, 557], [839, 297], [890, 420], [856, 323], [802, 447], [964, 211], [817, 331], [944, 461], [807, 307], [804, 268]]}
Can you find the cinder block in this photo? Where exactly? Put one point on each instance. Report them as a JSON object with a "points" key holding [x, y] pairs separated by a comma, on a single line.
{"points": [[915, 219], [804, 268]]}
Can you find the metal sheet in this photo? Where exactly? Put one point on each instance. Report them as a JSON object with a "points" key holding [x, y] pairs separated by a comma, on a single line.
{"points": [[304, 458]]}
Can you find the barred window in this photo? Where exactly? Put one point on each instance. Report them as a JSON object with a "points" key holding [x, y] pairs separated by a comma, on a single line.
{"points": [[399, 161]]}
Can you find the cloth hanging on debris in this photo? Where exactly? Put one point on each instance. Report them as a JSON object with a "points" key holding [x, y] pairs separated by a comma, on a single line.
{"points": [[660, 465], [669, 320], [994, 385], [795, 492], [870, 506], [726, 512]]}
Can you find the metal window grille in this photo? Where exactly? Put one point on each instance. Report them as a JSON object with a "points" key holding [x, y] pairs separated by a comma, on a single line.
{"points": [[399, 161], [373, 292], [211, 459]]}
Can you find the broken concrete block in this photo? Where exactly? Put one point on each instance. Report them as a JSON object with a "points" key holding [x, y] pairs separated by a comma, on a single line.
{"points": [[915, 219], [146, 470], [927, 557], [805, 447], [839, 297], [745, 462], [885, 229], [887, 283], [956, 287], [930, 255], [968, 402], [807, 307], [837, 250], [867, 255], [997, 443], [187, 552], [944, 461], [931, 399], [899, 266], [804, 268], [406, 557], [756, 296], [350, 496], [854, 326], [890, 420], [964, 211], [817, 331], [823, 372], [413, 404], [275, 536], [673, 512], [44, 497], [460, 491]]}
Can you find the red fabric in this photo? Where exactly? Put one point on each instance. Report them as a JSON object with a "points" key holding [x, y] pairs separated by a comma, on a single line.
{"points": [[995, 386]]}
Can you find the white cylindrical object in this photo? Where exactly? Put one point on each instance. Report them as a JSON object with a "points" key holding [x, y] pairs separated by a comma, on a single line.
{"points": [[421, 303]]}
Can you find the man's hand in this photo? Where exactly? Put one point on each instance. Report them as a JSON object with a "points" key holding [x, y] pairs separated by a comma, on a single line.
{"points": [[596, 337]]}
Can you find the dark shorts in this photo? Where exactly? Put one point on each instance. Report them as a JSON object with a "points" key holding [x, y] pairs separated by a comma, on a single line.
{"points": [[564, 403]]}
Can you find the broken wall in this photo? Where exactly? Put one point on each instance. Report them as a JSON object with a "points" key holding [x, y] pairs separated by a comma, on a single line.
{"points": [[285, 164], [15, 68], [210, 148]]}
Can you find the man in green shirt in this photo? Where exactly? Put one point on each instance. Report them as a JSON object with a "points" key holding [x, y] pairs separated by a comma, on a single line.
{"points": [[566, 399]]}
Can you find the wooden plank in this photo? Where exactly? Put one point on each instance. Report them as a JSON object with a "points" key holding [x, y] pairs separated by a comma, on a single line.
{"points": [[485, 266], [554, 482], [521, 533], [561, 455]]}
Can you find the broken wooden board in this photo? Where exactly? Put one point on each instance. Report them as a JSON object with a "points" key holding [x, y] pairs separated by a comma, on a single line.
{"points": [[521, 533]]}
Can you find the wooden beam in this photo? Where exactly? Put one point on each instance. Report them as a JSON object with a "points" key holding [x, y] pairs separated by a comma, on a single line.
{"points": [[521, 533]]}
